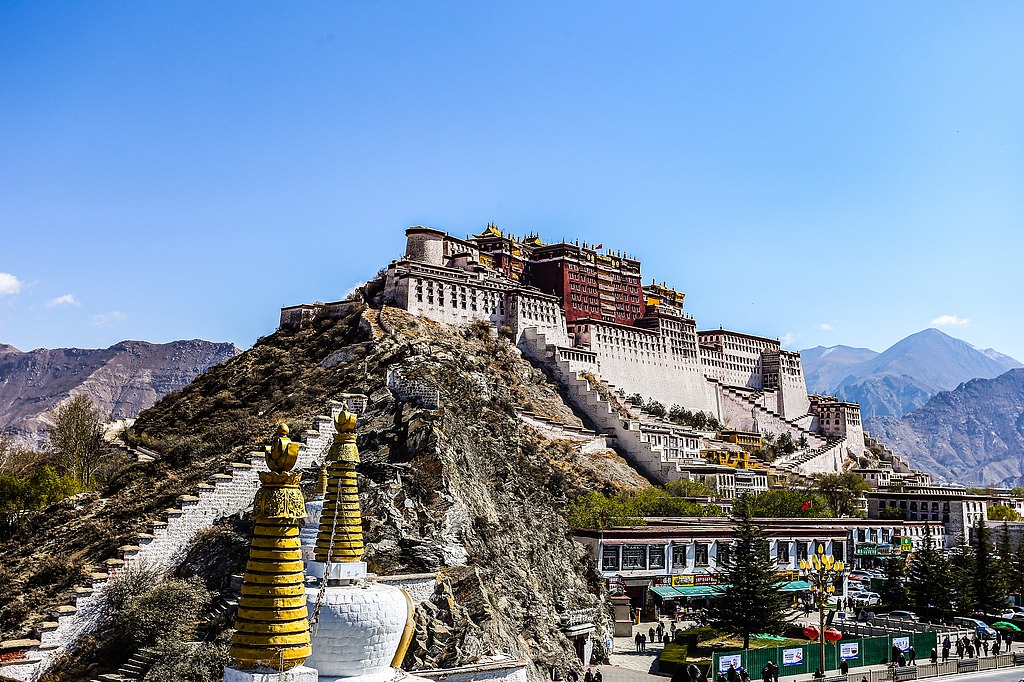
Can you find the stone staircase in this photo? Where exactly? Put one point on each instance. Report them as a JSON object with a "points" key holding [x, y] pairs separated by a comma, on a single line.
{"points": [[595, 399], [135, 668]]}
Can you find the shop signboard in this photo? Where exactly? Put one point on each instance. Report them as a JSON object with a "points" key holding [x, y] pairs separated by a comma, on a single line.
{"points": [[903, 643], [865, 549], [793, 656], [788, 576], [682, 580], [725, 661], [705, 579], [663, 581], [849, 650], [907, 544]]}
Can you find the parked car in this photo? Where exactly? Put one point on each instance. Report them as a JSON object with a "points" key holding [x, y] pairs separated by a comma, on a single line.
{"points": [[865, 598], [974, 625], [902, 615], [859, 575]]}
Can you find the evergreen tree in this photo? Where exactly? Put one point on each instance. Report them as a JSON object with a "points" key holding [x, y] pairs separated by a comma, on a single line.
{"points": [[931, 594], [988, 585], [962, 578], [895, 593], [1006, 568], [1016, 584], [750, 603]]}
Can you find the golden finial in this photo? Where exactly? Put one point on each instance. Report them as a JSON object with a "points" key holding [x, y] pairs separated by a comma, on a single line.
{"points": [[282, 453]]}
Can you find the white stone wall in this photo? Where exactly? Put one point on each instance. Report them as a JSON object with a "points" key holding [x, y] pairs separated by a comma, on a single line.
{"points": [[510, 672], [543, 314]]}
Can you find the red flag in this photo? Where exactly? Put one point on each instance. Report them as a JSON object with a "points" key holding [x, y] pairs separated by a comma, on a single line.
{"points": [[599, 246], [805, 506]]}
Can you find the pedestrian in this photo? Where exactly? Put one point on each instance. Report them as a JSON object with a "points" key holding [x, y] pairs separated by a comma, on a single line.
{"points": [[766, 673], [636, 640], [935, 655], [970, 651], [589, 676], [572, 675], [775, 671], [995, 647], [977, 642], [672, 626], [661, 631], [598, 677], [984, 646], [912, 654], [1009, 641], [903, 660], [643, 642], [844, 667], [732, 675], [960, 648]]}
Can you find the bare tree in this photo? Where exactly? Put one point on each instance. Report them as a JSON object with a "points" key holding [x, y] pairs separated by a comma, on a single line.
{"points": [[76, 438]]}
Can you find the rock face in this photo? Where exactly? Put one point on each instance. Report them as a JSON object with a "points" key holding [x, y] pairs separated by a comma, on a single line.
{"points": [[122, 380], [972, 435], [904, 376]]}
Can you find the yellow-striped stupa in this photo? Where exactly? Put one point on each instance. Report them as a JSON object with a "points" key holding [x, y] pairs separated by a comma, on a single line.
{"points": [[340, 537], [272, 630]]}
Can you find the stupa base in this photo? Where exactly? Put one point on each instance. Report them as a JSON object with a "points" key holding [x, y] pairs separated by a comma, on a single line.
{"points": [[297, 674]]}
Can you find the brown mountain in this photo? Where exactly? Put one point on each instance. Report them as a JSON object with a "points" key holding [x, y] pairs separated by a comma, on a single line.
{"points": [[973, 434], [122, 380]]}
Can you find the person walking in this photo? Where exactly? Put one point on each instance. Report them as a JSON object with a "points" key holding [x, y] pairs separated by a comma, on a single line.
{"points": [[650, 635], [643, 643], [766, 673], [970, 651], [636, 640], [598, 677], [935, 655], [960, 648], [589, 676], [995, 647], [775, 671], [912, 655], [732, 675], [572, 675], [984, 645], [844, 667]]}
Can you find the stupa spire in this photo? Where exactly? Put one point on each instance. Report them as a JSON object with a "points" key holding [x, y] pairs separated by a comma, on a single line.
{"points": [[340, 537], [272, 630]]}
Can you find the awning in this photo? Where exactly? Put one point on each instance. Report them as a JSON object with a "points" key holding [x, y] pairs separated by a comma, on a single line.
{"points": [[699, 590], [665, 592], [796, 586]]}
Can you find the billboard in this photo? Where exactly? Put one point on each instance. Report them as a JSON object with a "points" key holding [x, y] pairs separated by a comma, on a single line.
{"points": [[849, 650], [729, 660], [792, 656], [903, 643]]}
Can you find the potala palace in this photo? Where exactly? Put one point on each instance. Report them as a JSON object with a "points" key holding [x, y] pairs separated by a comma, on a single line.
{"points": [[585, 313]]}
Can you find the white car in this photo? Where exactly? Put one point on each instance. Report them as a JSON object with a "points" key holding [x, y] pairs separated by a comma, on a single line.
{"points": [[865, 599]]}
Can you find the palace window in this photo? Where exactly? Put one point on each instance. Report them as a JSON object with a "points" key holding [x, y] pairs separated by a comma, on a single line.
{"points": [[634, 558], [610, 559], [782, 552], [678, 555], [801, 550], [837, 551], [656, 557], [700, 554], [724, 553]]}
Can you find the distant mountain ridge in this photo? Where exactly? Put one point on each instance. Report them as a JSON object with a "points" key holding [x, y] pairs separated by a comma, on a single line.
{"points": [[903, 377], [122, 380], [972, 435]]}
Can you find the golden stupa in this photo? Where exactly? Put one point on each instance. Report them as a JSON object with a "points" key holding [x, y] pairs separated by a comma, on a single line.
{"points": [[272, 630]]}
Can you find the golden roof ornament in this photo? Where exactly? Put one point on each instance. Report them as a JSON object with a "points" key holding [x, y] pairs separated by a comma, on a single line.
{"points": [[272, 630]]}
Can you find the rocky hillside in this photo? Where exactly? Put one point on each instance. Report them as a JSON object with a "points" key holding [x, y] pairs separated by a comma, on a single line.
{"points": [[122, 380], [467, 489], [972, 435], [903, 377]]}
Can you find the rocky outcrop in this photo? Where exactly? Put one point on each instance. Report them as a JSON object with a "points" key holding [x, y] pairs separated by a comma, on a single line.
{"points": [[972, 435], [122, 380]]}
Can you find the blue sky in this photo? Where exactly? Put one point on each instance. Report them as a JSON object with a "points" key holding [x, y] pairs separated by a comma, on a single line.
{"points": [[822, 172]]}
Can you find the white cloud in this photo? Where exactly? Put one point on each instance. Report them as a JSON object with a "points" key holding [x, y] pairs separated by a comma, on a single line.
{"points": [[788, 338], [950, 321], [66, 299], [825, 327], [104, 319], [9, 284]]}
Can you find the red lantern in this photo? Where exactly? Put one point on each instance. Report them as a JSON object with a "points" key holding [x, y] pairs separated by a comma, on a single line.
{"points": [[833, 635], [811, 632]]}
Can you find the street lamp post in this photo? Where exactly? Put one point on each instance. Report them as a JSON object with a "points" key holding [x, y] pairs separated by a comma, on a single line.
{"points": [[822, 571]]}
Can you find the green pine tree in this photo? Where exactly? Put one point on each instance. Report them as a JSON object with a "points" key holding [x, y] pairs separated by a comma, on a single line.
{"points": [[988, 584], [1016, 584], [961, 561], [1005, 558], [931, 595], [750, 602], [895, 593]]}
